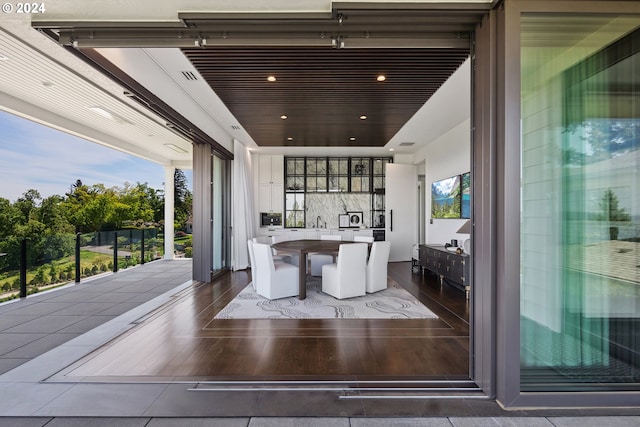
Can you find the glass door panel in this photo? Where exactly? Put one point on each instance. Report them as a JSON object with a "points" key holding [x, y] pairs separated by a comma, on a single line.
{"points": [[219, 213], [580, 202]]}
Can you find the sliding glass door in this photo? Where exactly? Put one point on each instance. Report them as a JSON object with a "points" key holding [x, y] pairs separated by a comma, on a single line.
{"points": [[220, 214], [211, 213], [580, 202]]}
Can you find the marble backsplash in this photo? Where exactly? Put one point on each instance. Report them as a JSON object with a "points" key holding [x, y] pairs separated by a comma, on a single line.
{"points": [[329, 205]]}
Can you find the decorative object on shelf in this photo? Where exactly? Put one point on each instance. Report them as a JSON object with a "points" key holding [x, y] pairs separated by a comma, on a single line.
{"points": [[466, 229], [343, 221], [355, 219]]}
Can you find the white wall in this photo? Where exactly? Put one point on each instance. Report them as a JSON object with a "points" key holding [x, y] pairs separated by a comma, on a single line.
{"points": [[447, 146], [447, 156]]}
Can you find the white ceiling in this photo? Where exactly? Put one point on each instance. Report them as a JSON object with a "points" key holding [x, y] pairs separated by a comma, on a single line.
{"points": [[43, 82]]}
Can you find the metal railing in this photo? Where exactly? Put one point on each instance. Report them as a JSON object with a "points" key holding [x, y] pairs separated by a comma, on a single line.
{"points": [[35, 265]]}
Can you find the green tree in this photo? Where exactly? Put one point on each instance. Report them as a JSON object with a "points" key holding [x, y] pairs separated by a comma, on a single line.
{"points": [[181, 189], [40, 278], [52, 215], [100, 212], [9, 217], [610, 209], [140, 200], [53, 274], [98, 208], [28, 203], [182, 200], [73, 206], [56, 246]]}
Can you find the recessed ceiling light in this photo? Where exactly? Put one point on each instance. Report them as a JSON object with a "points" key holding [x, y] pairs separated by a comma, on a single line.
{"points": [[271, 78], [289, 139], [284, 117], [391, 149], [353, 138], [3, 58], [381, 78], [363, 117], [109, 114]]}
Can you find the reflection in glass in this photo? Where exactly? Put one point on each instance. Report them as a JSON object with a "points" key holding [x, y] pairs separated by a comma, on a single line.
{"points": [[580, 202], [218, 199], [294, 210]]}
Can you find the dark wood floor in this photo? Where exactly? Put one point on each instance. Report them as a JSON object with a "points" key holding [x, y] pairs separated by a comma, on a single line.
{"points": [[182, 342]]}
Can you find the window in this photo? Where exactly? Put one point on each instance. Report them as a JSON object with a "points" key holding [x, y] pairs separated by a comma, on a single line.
{"points": [[339, 174], [294, 192], [378, 190], [360, 175], [316, 174], [295, 174], [294, 210], [308, 175], [378, 172]]}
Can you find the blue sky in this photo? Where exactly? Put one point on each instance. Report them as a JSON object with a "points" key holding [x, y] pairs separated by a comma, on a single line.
{"points": [[45, 159]]}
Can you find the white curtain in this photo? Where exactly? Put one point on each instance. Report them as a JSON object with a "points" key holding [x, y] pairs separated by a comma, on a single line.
{"points": [[243, 210]]}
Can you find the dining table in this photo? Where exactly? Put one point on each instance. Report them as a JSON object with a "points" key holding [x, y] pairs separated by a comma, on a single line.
{"points": [[304, 247]]}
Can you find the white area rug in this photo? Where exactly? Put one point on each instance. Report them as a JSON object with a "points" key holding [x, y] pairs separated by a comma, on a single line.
{"points": [[391, 303]]}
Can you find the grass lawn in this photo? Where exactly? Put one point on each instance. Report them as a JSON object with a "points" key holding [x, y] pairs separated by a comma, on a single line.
{"points": [[87, 260], [184, 240]]}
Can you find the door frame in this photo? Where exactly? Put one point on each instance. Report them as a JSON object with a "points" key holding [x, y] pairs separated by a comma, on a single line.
{"points": [[496, 170]]}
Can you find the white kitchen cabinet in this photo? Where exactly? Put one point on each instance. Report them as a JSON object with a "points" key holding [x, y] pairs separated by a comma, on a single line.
{"points": [[311, 234], [364, 232], [295, 234], [265, 233], [270, 197], [271, 169], [271, 184], [345, 233]]}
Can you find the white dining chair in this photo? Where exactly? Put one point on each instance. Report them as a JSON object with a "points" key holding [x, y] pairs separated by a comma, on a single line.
{"points": [[276, 258], [276, 279], [318, 260], [254, 267], [367, 239], [284, 256], [347, 277], [377, 266]]}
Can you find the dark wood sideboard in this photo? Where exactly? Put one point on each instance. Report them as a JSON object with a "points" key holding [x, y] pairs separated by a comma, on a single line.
{"points": [[449, 266]]}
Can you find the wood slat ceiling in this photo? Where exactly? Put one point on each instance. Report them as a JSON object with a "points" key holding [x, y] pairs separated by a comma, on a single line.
{"points": [[324, 91]]}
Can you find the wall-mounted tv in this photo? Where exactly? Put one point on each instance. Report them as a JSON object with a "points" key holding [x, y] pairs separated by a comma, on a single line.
{"points": [[446, 198], [466, 195]]}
